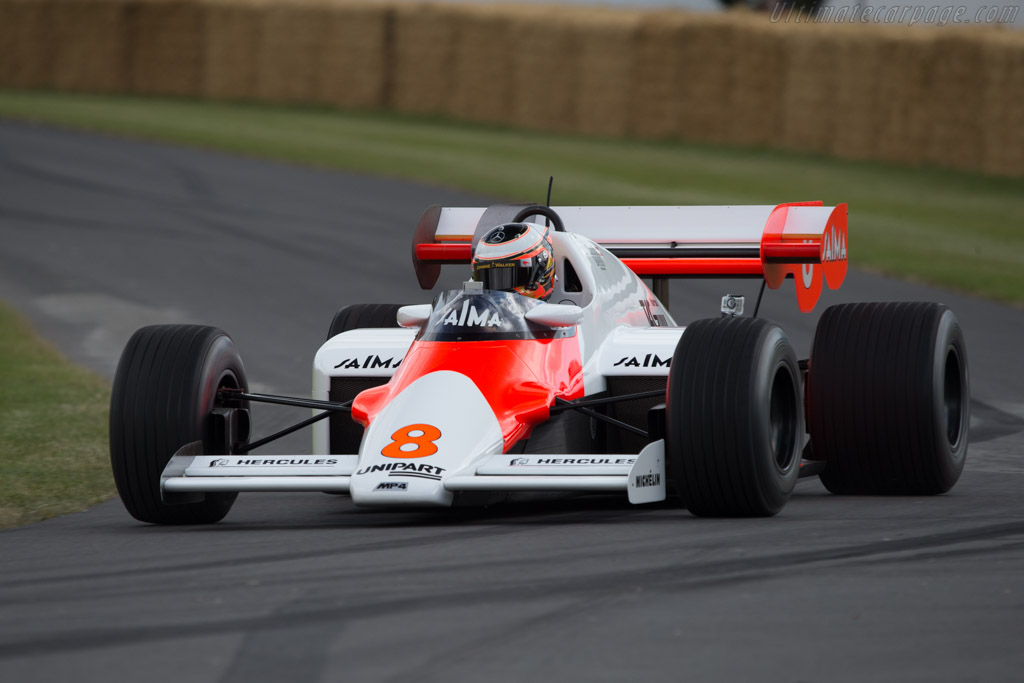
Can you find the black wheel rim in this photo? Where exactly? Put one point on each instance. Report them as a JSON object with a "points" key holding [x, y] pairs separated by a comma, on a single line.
{"points": [[783, 419], [953, 396]]}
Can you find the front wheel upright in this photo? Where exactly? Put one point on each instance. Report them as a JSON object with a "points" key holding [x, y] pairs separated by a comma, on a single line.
{"points": [[734, 418]]}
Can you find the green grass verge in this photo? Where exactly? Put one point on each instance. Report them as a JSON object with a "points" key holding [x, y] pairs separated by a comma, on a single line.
{"points": [[944, 227], [53, 429]]}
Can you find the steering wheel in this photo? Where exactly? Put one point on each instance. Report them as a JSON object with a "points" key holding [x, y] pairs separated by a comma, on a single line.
{"points": [[538, 210]]}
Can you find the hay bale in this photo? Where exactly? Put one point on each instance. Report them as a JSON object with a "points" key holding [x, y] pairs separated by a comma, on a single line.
{"points": [[759, 70], [608, 42], [353, 69], [291, 50], [482, 83], [657, 76], [858, 72], [1002, 119], [808, 99], [165, 47], [545, 70], [232, 41], [26, 40], [709, 47], [903, 109], [90, 40], [422, 57], [957, 88]]}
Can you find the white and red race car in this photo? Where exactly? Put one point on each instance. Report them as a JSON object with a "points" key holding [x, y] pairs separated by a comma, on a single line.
{"points": [[483, 394]]}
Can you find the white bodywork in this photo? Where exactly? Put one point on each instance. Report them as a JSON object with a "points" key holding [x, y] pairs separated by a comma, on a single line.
{"points": [[613, 313], [622, 331]]}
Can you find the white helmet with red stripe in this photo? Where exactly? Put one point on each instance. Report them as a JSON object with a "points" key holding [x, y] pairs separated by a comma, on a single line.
{"points": [[516, 257]]}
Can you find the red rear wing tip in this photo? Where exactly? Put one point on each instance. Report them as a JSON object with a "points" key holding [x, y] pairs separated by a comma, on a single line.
{"points": [[808, 243]]}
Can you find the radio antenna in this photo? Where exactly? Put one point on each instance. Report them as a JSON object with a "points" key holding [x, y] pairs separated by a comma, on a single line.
{"points": [[551, 181]]}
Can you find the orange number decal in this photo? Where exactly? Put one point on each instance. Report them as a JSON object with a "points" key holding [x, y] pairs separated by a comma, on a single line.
{"points": [[420, 435]]}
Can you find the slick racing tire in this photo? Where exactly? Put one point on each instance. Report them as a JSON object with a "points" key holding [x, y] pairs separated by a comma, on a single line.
{"points": [[346, 435], [361, 316], [888, 398], [163, 397], [734, 418]]}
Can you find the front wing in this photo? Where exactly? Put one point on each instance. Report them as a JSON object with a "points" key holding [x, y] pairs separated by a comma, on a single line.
{"points": [[641, 476]]}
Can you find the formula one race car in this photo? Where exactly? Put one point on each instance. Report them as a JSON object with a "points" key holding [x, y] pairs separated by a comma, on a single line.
{"points": [[593, 387]]}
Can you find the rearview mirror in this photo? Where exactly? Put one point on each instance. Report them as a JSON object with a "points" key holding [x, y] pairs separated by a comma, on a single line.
{"points": [[555, 315], [413, 316]]}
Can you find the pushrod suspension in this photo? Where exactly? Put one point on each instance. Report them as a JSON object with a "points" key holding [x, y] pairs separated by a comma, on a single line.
{"points": [[245, 448], [227, 395], [562, 404], [566, 405]]}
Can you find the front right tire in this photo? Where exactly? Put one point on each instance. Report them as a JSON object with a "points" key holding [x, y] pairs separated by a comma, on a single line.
{"points": [[163, 397]]}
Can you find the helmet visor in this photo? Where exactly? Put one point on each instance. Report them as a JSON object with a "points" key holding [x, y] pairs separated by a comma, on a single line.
{"points": [[504, 276]]}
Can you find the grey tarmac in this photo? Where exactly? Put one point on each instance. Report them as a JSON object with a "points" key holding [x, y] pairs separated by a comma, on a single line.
{"points": [[100, 235]]}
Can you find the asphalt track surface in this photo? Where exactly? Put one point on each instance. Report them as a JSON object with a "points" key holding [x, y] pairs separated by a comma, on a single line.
{"points": [[100, 235]]}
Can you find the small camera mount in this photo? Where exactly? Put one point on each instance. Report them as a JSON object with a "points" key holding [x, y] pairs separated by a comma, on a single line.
{"points": [[732, 304]]}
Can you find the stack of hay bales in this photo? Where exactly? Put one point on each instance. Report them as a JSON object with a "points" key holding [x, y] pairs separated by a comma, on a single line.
{"points": [[422, 57], [607, 42], [858, 71], [809, 95], [353, 69], [232, 42], [1002, 112], [89, 42], [948, 96], [165, 47], [26, 39], [957, 88], [481, 74], [758, 64], [545, 69], [292, 44], [658, 72], [903, 108], [709, 47]]}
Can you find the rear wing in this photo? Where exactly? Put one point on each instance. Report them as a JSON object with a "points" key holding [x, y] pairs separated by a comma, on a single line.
{"points": [[802, 240]]}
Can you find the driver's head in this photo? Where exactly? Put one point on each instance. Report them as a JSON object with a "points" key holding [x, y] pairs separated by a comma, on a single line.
{"points": [[516, 257]]}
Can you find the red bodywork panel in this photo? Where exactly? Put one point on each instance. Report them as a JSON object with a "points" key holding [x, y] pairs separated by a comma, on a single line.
{"points": [[519, 378]]}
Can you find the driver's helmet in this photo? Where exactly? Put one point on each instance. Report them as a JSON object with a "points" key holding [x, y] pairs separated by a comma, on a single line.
{"points": [[516, 257]]}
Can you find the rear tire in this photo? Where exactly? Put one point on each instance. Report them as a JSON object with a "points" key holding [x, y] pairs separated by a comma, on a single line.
{"points": [[361, 316], [346, 434], [734, 426], [163, 395], [889, 398]]}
